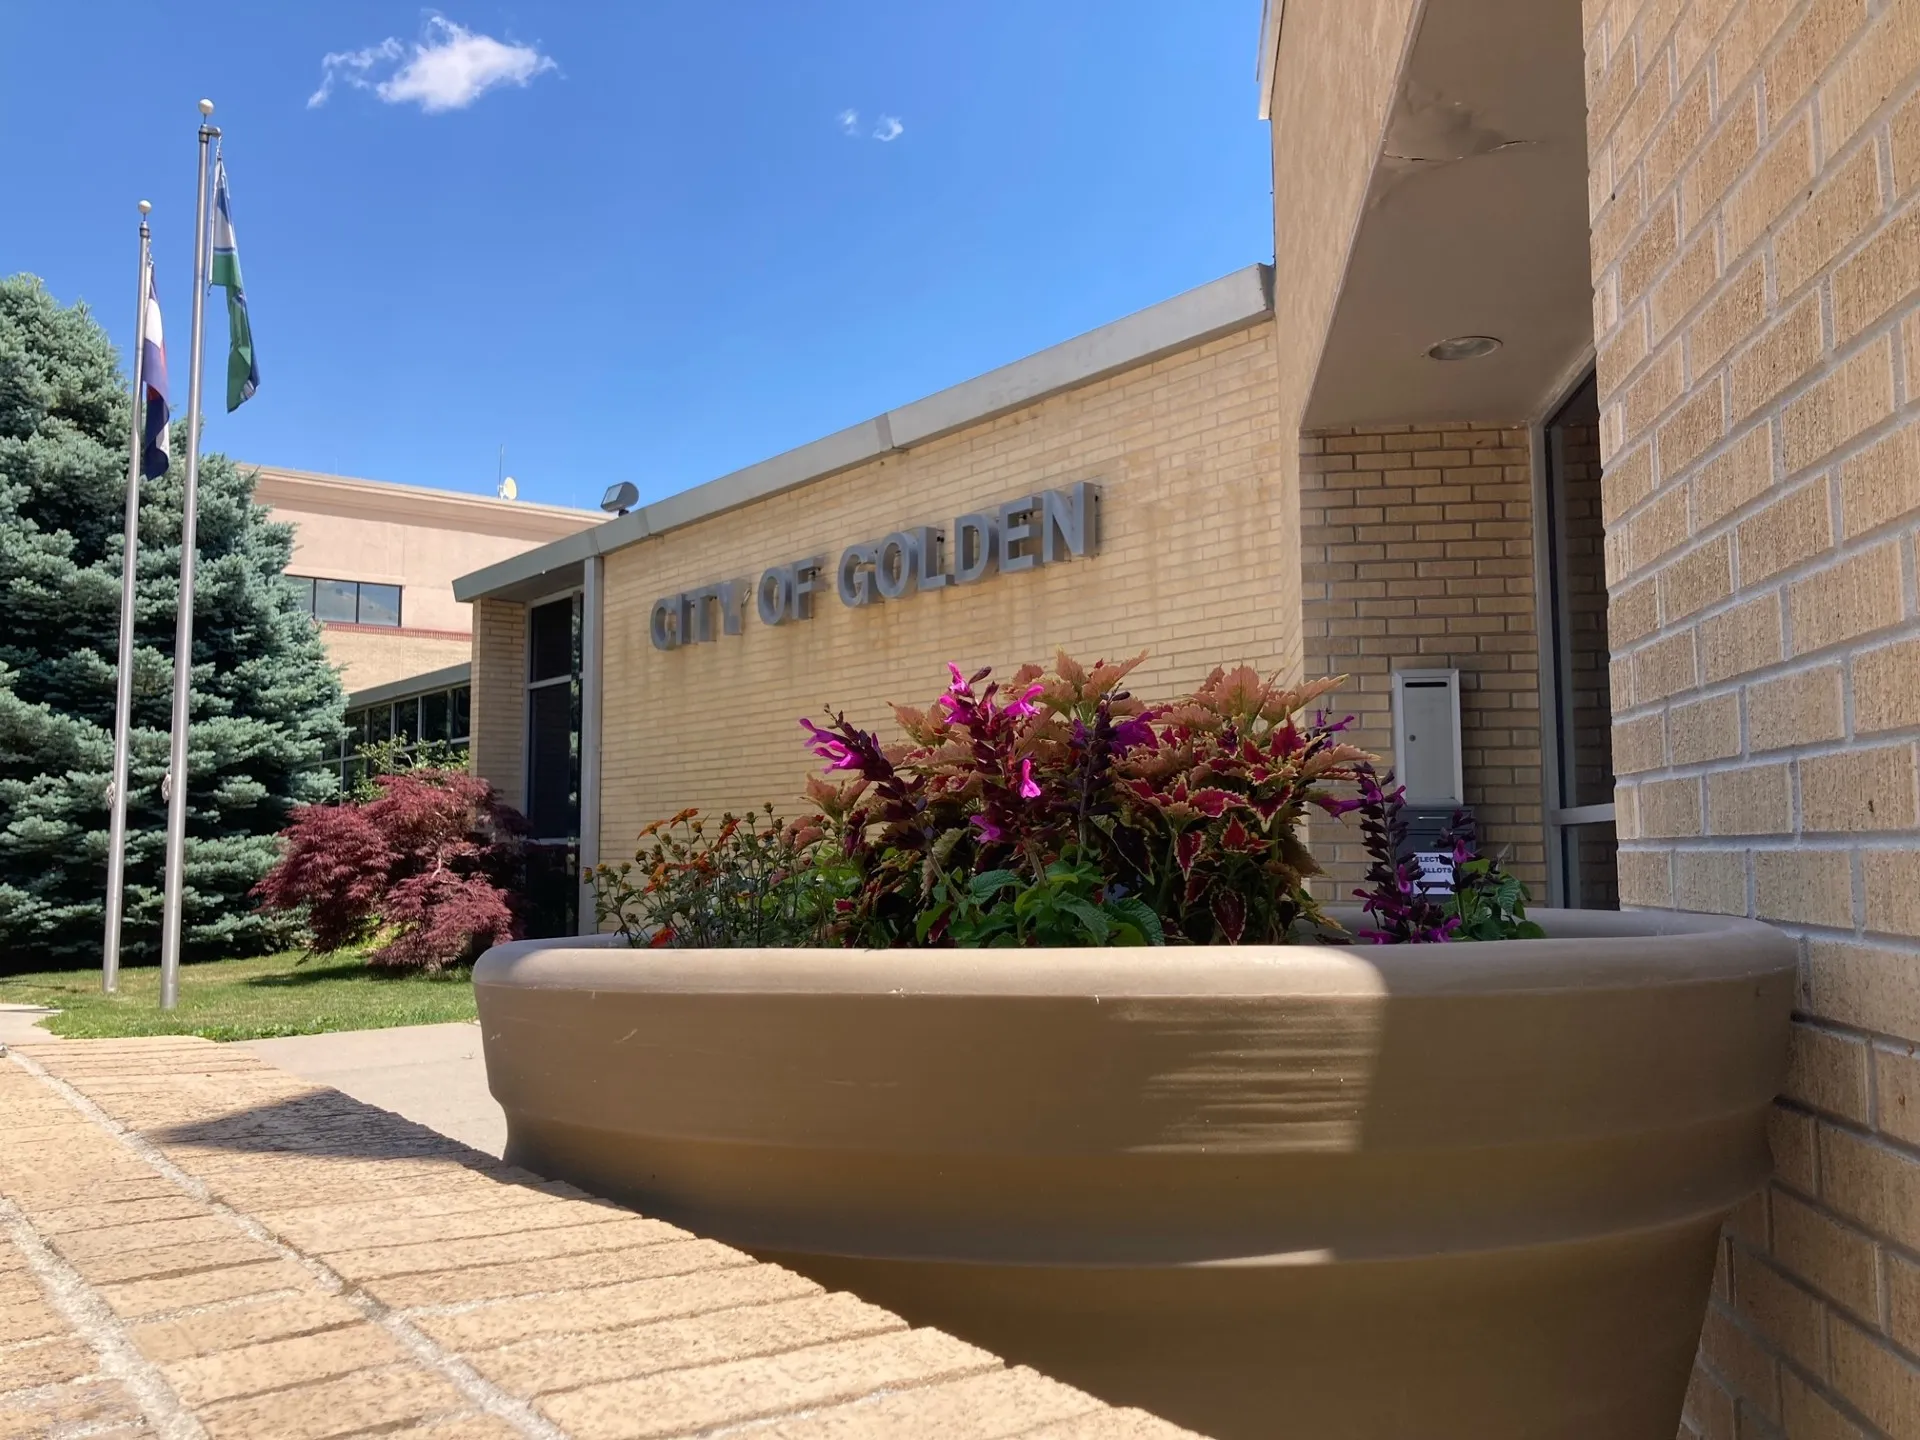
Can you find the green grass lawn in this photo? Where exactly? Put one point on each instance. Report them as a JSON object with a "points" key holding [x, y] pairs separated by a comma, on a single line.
{"points": [[245, 999]]}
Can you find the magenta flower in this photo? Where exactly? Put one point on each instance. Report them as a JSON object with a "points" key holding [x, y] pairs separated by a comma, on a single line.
{"points": [[989, 831], [959, 685], [1024, 705], [1029, 787], [829, 747]]}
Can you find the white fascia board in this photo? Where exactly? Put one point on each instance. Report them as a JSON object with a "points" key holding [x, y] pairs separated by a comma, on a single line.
{"points": [[1207, 312], [1269, 53]]}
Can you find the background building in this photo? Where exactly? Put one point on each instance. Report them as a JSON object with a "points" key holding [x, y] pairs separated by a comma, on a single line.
{"points": [[1590, 370], [375, 564]]}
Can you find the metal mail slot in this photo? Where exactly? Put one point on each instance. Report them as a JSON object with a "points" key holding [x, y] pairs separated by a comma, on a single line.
{"points": [[1426, 736]]}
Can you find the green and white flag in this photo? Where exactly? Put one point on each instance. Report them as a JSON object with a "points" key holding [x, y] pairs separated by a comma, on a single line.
{"points": [[243, 371]]}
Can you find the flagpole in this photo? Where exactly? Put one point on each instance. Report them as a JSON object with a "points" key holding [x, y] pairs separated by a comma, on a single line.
{"points": [[183, 633], [123, 688]]}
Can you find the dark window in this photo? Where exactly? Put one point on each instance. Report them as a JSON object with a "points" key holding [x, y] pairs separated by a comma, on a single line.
{"points": [[553, 761], [406, 721], [555, 643], [346, 602], [461, 699], [552, 890], [379, 723], [433, 717], [336, 600], [379, 604], [1578, 650]]}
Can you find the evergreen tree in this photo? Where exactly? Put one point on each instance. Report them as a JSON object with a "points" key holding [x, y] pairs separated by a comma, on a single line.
{"points": [[266, 704]]}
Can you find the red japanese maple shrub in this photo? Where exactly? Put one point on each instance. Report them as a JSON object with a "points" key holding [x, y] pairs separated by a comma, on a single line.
{"points": [[433, 860], [335, 867]]}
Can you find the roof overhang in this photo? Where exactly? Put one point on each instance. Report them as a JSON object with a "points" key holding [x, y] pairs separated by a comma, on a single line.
{"points": [[1221, 307], [1475, 223], [442, 679]]}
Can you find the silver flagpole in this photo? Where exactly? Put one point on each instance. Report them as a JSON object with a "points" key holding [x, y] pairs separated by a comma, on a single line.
{"points": [[183, 634], [123, 690]]}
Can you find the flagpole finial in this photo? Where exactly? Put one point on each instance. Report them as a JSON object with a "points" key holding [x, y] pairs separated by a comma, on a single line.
{"points": [[206, 107], [145, 207]]}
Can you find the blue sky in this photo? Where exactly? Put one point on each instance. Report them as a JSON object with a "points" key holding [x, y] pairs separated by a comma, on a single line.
{"points": [[653, 248]]}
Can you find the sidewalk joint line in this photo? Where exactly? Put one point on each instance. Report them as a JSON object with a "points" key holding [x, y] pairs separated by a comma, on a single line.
{"points": [[483, 1393], [97, 1326]]}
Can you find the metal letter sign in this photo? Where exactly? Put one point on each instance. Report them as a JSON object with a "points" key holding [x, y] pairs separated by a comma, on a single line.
{"points": [[1034, 530]]}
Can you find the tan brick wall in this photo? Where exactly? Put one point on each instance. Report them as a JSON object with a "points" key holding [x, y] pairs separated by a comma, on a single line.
{"points": [[499, 704], [369, 657], [1417, 552], [1196, 566], [1756, 251]]}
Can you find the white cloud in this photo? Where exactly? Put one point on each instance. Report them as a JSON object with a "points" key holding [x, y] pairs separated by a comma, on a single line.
{"points": [[351, 66], [448, 69], [888, 128]]}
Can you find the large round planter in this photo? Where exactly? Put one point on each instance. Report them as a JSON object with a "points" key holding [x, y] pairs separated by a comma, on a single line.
{"points": [[1327, 1191]]}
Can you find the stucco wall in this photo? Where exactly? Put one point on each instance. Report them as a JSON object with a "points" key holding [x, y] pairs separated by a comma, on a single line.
{"points": [[1195, 566], [1327, 124], [1756, 253], [1418, 553]]}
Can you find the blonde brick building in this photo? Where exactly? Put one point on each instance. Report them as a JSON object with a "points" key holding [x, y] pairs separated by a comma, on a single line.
{"points": [[1590, 370]]}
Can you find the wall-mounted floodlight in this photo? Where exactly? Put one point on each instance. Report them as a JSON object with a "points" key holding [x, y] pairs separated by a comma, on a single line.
{"points": [[620, 498]]}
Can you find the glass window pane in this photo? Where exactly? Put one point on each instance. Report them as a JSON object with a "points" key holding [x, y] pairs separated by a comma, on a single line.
{"points": [[1577, 566], [356, 730], [379, 604], [379, 722], [302, 588], [458, 724], [552, 641], [433, 716], [552, 806], [1592, 861], [552, 890], [406, 721], [335, 600]]}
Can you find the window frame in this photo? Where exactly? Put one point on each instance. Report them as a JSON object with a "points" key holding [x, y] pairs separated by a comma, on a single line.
{"points": [[311, 605]]}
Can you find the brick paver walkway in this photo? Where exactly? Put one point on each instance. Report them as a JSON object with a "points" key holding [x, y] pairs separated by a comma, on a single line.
{"points": [[193, 1243]]}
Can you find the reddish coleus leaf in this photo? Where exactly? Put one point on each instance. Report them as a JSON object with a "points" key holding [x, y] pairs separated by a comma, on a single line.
{"points": [[1213, 803], [1269, 807], [1238, 838], [1186, 849], [1196, 887], [1230, 911]]}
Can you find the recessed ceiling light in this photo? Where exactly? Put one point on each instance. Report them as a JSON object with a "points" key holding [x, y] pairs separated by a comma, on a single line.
{"points": [[1463, 347]]}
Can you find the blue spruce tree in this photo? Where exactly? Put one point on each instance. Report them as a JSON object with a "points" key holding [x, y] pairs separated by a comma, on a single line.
{"points": [[266, 704]]}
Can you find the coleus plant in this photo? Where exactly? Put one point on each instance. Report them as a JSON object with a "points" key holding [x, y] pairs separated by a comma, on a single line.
{"points": [[1076, 790]]}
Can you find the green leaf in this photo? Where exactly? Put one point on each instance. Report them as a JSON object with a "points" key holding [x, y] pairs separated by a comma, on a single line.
{"points": [[989, 883], [1088, 914], [1137, 913]]}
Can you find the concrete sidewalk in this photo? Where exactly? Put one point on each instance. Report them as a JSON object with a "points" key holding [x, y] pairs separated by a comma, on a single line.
{"points": [[434, 1075], [198, 1246]]}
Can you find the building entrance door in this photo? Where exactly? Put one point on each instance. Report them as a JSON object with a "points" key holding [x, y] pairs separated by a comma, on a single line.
{"points": [[1577, 714]]}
